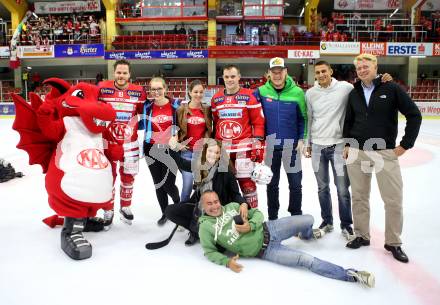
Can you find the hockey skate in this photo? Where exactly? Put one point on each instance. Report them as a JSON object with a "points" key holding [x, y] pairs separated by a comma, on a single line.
{"points": [[73, 242], [126, 215], [108, 219]]}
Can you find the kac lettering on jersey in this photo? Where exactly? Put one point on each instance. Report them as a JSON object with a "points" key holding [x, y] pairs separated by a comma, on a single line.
{"points": [[162, 118], [107, 91], [195, 120], [230, 113]]}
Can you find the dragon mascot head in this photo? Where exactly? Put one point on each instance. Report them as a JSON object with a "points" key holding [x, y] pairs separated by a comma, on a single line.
{"points": [[64, 135]]}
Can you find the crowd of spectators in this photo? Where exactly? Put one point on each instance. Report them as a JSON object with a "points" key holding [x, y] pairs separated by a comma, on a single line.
{"points": [[51, 29], [431, 24], [342, 27], [129, 10]]}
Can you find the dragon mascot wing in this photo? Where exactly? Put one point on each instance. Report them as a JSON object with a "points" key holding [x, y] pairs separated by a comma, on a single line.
{"points": [[32, 140]]}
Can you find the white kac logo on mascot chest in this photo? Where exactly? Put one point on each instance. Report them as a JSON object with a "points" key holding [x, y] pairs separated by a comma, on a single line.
{"points": [[92, 158], [121, 130], [230, 129]]}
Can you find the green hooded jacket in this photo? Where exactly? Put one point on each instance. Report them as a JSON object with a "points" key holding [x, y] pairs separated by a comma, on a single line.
{"points": [[221, 230]]}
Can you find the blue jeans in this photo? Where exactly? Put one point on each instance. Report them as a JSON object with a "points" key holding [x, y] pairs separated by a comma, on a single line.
{"points": [[287, 227], [321, 157], [292, 166], [187, 178]]}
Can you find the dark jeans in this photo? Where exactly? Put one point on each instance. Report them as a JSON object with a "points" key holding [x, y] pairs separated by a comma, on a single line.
{"points": [[163, 177], [322, 157], [292, 166], [181, 214]]}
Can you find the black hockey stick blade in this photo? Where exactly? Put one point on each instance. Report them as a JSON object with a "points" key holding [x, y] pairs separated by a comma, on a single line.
{"points": [[163, 243]]}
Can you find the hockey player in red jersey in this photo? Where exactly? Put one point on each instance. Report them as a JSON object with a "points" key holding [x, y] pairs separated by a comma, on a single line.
{"points": [[239, 123], [127, 100]]}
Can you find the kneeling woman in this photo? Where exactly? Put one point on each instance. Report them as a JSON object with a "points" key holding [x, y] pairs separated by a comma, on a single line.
{"points": [[209, 174]]}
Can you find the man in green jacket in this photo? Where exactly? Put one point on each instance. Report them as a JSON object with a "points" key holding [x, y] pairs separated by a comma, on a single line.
{"points": [[255, 238], [284, 104]]}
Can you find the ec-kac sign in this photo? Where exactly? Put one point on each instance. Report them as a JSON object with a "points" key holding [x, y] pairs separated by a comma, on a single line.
{"points": [[303, 54]]}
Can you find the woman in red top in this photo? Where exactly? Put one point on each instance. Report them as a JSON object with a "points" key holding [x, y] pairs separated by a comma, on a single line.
{"points": [[195, 122], [159, 123]]}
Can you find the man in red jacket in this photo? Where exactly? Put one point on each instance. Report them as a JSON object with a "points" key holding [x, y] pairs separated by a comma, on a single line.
{"points": [[239, 123]]}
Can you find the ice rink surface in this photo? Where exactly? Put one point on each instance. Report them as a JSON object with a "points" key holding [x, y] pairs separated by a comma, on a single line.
{"points": [[34, 270]]}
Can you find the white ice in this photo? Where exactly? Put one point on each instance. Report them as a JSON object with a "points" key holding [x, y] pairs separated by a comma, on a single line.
{"points": [[34, 270]]}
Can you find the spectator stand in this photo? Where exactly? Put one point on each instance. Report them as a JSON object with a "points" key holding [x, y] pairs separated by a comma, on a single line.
{"points": [[6, 88], [425, 90], [171, 35], [61, 29], [282, 39], [160, 41], [373, 26]]}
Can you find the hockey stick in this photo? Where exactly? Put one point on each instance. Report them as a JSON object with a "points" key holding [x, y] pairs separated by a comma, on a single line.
{"points": [[163, 243]]}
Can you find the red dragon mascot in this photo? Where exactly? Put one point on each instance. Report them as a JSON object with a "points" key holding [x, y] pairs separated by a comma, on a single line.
{"points": [[64, 135]]}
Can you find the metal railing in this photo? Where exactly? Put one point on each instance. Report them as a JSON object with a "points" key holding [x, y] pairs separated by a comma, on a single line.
{"points": [[397, 36], [267, 40], [161, 41], [70, 38], [6, 88]]}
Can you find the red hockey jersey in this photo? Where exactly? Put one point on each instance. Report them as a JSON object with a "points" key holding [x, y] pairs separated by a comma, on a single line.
{"points": [[237, 117]]}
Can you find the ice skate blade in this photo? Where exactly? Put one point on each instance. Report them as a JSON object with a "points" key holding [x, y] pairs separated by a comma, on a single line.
{"points": [[126, 221]]}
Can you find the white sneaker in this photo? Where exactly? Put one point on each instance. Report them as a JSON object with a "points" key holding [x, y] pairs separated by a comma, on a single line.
{"points": [[108, 219], [126, 215], [326, 227], [364, 278], [318, 233], [348, 233]]}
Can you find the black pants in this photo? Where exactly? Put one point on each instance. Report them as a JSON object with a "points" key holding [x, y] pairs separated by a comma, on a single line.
{"points": [[164, 179], [293, 170], [181, 214]]}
